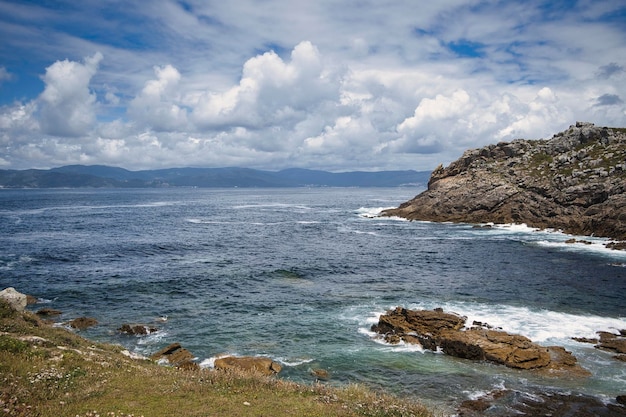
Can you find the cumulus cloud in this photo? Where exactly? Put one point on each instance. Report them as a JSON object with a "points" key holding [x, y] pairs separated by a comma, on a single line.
{"points": [[271, 92], [67, 104], [157, 106]]}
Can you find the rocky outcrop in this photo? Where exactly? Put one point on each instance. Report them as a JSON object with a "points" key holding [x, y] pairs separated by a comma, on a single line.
{"points": [[435, 329], [575, 181], [263, 365]]}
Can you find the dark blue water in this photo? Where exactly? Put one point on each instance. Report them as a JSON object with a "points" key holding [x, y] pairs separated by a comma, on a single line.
{"points": [[301, 274]]}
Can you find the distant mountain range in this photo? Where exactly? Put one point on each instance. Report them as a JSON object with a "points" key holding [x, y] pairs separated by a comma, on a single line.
{"points": [[100, 176]]}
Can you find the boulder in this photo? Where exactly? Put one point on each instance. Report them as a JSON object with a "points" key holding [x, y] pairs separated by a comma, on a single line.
{"points": [[177, 356], [82, 323], [436, 329], [263, 365], [15, 299]]}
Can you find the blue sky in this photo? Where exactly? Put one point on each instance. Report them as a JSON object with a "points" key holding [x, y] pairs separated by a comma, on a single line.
{"points": [[272, 84]]}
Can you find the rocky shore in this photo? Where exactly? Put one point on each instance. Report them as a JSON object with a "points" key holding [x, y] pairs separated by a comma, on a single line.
{"points": [[574, 182]]}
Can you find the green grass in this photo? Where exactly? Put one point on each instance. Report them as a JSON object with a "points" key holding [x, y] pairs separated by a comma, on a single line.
{"points": [[47, 371]]}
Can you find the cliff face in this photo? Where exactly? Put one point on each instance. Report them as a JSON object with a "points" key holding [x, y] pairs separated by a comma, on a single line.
{"points": [[575, 181]]}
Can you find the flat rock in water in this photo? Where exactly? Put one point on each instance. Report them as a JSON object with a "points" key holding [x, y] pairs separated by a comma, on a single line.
{"points": [[435, 329], [176, 356]]}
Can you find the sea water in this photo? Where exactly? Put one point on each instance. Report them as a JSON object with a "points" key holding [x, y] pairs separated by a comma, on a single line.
{"points": [[301, 274]]}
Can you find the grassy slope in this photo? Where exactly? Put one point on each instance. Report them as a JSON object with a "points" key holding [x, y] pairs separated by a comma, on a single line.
{"points": [[49, 371]]}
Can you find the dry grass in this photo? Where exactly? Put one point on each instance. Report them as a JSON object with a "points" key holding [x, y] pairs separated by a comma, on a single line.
{"points": [[47, 371]]}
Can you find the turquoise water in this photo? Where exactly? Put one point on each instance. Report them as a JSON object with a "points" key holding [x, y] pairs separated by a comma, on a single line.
{"points": [[301, 274]]}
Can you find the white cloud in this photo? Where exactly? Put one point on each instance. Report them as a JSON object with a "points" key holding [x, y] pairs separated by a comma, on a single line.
{"points": [[310, 84], [157, 105], [67, 104]]}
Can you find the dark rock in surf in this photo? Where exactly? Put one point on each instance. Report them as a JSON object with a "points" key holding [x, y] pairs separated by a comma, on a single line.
{"points": [[436, 329], [137, 329], [575, 182]]}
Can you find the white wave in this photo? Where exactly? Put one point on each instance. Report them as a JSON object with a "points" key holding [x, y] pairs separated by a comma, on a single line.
{"points": [[541, 326], [152, 338], [210, 362], [538, 325], [294, 362], [371, 212]]}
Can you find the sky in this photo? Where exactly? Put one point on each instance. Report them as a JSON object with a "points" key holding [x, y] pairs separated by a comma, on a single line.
{"points": [[352, 85]]}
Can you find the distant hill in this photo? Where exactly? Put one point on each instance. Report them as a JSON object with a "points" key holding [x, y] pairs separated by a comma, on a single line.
{"points": [[101, 176]]}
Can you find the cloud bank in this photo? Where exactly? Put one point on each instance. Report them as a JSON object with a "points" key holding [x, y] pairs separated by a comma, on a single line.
{"points": [[308, 85]]}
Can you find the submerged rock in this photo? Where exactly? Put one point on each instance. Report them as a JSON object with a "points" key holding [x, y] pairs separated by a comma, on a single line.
{"points": [[436, 329], [47, 312], [263, 365]]}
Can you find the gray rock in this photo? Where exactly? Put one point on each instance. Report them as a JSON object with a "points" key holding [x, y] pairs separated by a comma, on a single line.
{"points": [[16, 300]]}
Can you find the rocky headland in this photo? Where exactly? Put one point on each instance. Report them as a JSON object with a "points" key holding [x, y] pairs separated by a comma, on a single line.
{"points": [[574, 182]]}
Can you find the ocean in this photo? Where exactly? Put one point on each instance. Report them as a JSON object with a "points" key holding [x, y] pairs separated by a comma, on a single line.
{"points": [[300, 275]]}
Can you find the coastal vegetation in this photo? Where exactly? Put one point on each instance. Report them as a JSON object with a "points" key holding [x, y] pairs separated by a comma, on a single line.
{"points": [[46, 370]]}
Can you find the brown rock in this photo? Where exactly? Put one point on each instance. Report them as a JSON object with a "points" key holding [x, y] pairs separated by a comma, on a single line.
{"points": [[437, 329], [612, 342], [83, 323], [263, 365], [137, 329], [176, 356], [47, 312]]}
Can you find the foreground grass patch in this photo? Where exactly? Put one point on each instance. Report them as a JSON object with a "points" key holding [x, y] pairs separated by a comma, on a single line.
{"points": [[47, 371]]}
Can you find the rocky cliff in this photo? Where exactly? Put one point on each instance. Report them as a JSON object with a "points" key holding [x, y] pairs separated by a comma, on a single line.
{"points": [[575, 181]]}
